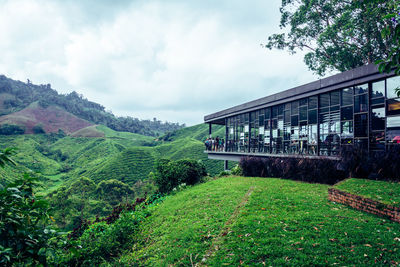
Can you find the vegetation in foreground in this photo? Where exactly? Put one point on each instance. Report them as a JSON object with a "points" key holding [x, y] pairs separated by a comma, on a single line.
{"points": [[385, 192], [259, 221]]}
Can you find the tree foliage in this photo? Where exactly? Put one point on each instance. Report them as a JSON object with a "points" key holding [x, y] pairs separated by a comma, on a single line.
{"points": [[338, 34], [169, 174], [25, 230], [391, 32]]}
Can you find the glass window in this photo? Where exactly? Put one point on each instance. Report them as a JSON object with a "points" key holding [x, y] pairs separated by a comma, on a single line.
{"points": [[347, 113], [392, 83], [280, 110], [378, 118], [286, 116], [312, 116], [303, 113], [361, 143], [335, 98], [347, 96], [313, 102], [295, 108], [360, 103], [274, 112], [360, 125], [393, 106], [295, 120], [376, 101], [303, 102], [361, 89], [334, 108], [393, 130], [347, 132], [267, 113], [287, 106], [378, 89], [324, 100], [312, 139]]}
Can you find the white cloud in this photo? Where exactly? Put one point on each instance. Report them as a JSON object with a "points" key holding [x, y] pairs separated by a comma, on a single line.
{"points": [[149, 59]]}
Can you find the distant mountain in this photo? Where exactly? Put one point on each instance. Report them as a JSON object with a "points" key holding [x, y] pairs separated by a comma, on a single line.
{"points": [[19, 99]]}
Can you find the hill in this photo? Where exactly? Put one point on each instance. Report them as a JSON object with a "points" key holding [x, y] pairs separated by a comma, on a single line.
{"points": [[16, 96], [261, 221], [51, 119], [124, 156]]}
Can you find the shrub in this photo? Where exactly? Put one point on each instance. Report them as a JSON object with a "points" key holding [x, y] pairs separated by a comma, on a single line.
{"points": [[38, 129], [237, 170], [169, 174], [302, 169], [10, 129], [25, 230]]}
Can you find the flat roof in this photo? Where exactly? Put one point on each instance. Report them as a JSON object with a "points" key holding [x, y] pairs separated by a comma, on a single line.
{"points": [[345, 79]]}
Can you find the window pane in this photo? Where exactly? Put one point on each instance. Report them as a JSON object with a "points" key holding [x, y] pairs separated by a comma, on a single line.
{"points": [[378, 119], [286, 116], [303, 113], [361, 89], [324, 100], [347, 97], [312, 116], [295, 107], [378, 89], [392, 83], [393, 130], [347, 132], [360, 125], [303, 102], [335, 98], [347, 113], [312, 139], [313, 102], [360, 103], [295, 120], [376, 101], [393, 106]]}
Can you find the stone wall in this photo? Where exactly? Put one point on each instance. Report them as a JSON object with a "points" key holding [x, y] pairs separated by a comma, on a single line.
{"points": [[365, 204]]}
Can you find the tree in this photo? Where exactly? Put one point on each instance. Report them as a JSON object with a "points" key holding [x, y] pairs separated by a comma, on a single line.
{"points": [[113, 191], [391, 32], [339, 34]]}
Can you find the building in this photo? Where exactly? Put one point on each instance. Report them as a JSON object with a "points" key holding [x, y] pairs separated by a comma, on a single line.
{"points": [[354, 108]]}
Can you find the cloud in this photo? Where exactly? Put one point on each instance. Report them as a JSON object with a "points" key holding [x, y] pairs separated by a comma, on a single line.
{"points": [[176, 61]]}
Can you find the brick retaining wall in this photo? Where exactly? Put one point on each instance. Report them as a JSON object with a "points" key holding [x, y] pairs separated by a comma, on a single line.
{"points": [[365, 204]]}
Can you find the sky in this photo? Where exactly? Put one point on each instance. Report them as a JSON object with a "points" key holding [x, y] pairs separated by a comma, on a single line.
{"points": [[173, 60]]}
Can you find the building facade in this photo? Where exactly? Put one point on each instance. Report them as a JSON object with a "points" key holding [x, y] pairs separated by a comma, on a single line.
{"points": [[354, 108]]}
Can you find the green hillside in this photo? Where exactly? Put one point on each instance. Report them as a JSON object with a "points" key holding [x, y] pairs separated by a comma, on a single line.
{"points": [[128, 157], [261, 221], [128, 166]]}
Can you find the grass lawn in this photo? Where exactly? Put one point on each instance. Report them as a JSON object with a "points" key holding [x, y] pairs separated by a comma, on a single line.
{"points": [[260, 221], [385, 192]]}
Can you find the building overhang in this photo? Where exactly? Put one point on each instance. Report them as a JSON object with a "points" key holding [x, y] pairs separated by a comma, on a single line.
{"points": [[342, 80], [236, 156]]}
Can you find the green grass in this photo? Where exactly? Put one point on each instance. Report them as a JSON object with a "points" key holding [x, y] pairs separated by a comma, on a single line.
{"points": [[283, 223], [385, 192]]}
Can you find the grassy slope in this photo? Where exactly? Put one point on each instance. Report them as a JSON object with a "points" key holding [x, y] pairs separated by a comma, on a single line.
{"points": [[117, 155], [385, 192], [283, 223]]}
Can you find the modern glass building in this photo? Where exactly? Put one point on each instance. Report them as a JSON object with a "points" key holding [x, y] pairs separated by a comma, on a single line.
{"points": [[354, 108]]}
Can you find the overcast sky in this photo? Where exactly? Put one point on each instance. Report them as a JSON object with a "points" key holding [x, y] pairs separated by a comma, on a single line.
{"points": [[173, 60]]}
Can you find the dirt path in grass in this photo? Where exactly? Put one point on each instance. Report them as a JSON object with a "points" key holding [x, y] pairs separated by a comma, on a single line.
{"points": [[217, 241]]}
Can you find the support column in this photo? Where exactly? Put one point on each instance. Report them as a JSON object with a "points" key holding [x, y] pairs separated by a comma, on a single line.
{"points": [[226, 165], [209, 129]]}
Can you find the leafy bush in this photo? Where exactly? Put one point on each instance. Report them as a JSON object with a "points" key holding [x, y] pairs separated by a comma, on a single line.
{"points": [[169, 174], [236, 170], [302, 169], [377, 165], [10, 129], [25, 230], [38, 129]]}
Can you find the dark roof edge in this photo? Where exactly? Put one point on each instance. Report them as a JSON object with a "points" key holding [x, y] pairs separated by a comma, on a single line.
{"points": [[347, 78]]}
